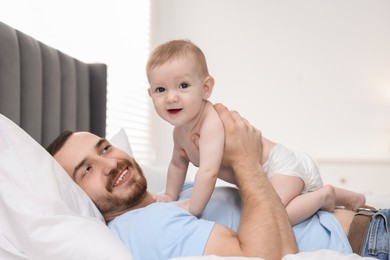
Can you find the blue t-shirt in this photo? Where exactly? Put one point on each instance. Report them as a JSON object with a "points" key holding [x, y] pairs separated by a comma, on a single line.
{"points": [[163, 230]]}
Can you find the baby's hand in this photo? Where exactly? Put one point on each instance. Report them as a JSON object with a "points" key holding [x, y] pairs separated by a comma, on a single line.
{"points": [[185, 204], [162, 197]]}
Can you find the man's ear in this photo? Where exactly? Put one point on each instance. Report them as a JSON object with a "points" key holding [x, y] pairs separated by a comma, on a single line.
{"points": [[208, 86]]}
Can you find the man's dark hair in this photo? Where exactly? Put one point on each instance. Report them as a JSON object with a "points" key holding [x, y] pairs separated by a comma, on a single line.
{"points": [[59, 142]]}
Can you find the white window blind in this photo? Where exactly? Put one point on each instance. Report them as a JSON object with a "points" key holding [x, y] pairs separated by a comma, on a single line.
{"points": [[128, 104], [131, 111]]}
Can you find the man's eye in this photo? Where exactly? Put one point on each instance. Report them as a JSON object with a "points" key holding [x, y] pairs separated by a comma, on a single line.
{"points": [[106, 149], [86, 170], [184, 85], [160, 90]]}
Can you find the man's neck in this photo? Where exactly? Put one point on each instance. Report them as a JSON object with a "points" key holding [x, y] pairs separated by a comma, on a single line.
{"points": [[144, 202]]}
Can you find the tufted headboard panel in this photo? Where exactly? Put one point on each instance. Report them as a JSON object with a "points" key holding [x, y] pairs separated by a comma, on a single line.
{"points": [[46, 91]]}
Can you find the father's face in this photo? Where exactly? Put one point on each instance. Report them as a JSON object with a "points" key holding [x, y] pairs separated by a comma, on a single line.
{"points": [[110, 177]]}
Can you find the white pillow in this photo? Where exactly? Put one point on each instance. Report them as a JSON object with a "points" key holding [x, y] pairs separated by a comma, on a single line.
{"points": [[156, 176], [43, 213], [120, 140]]}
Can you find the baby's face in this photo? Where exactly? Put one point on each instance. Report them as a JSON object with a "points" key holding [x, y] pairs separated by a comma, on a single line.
{"points": [[177, 90]]}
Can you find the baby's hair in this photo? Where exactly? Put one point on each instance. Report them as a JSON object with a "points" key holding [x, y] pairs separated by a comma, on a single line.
{"points": [[174, 50]]}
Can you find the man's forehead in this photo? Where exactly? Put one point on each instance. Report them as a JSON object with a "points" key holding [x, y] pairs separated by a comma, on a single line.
{"points": [[84, 135], [76, 149], [78, 140]]}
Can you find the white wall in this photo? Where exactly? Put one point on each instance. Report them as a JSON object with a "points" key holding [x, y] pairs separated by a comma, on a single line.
{"points": [[312, 74]]}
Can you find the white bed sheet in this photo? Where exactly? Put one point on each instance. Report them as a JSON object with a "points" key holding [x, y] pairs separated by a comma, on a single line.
{"points": [[317, 255]]}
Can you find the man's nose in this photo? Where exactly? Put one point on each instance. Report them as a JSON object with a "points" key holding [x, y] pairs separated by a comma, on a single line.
{"points": [[108, 165]]}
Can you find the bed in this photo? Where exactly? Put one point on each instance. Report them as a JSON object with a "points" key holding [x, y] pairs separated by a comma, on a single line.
{"points": [[43, 214]]}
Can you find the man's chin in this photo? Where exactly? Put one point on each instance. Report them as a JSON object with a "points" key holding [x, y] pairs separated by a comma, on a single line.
{"points": [[124, 201], [125, 197]]}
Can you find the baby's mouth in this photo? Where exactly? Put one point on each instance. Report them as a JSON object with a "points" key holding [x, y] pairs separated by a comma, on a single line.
{"points": [[174, 110]]}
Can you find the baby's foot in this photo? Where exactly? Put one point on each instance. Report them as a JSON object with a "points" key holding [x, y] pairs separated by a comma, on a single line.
{"points": [[358, 201], [329, 198]]}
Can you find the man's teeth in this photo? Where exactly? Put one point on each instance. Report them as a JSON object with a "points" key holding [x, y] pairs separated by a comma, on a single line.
{"points": [[124, 173]]}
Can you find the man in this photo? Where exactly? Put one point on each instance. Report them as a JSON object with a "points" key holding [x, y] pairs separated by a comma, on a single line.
{"points": [[115, 183], [151, 230]]}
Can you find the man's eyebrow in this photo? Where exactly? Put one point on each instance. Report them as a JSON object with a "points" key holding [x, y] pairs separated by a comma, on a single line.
{"points": [[100, 142], [82, 163]]}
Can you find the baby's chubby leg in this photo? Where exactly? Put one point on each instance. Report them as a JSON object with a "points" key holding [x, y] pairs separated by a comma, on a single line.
{"points": [[301, 206], [349, 199], [328, 195], [305, 205]]}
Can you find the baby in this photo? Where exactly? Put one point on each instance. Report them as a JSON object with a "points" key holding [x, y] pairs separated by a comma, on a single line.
{"points": [[180, 86]]}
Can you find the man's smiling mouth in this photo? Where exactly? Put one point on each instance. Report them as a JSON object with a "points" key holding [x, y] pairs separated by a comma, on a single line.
{"points": [[121, 177]]}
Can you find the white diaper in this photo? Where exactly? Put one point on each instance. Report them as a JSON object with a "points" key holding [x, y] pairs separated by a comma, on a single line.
{"points": [[285, 161]]}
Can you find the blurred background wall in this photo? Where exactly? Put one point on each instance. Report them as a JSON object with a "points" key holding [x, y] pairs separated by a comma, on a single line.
{"points": [[311, 74]]}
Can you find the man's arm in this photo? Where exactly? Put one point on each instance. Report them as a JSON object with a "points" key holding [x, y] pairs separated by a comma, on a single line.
{"points": [[264, 230]]}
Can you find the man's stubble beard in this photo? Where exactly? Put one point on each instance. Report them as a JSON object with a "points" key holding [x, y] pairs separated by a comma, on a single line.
{"points": [[136, 190]]}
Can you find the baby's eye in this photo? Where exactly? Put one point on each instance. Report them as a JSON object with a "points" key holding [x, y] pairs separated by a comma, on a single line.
{"points": [[184, 85], [160, 89]]}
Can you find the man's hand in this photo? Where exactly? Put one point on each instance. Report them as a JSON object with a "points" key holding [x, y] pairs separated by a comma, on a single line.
{"points": [[264, 221], [242, 140]]}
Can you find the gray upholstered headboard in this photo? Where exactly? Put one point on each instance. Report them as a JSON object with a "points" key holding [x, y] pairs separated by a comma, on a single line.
{"points": [[46, 91]]}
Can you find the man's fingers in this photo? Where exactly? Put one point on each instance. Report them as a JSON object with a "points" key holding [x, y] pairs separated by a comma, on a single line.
{"points": [[236, 116], [226, 115], [223, 112], [230, 117]]}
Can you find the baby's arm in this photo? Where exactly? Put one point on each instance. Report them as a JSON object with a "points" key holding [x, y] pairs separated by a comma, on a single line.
{"points": [[211, 144], [177, 172]]}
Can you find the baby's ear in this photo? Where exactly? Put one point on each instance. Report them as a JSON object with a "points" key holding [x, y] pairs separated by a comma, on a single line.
{"points": [[150, 92], [208, 86]]}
